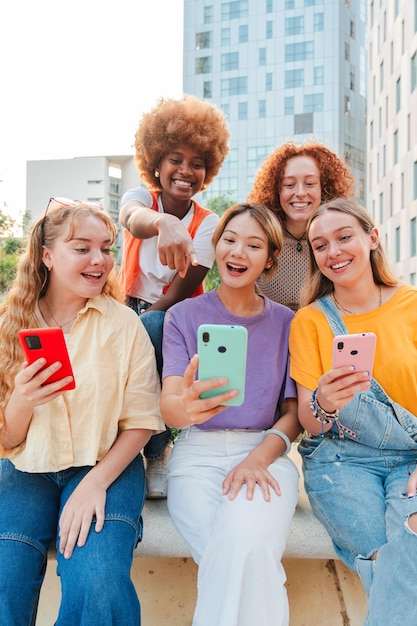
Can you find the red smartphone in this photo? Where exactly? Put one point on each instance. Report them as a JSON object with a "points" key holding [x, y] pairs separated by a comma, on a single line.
{"points": [[48, 343], [355, 349]]}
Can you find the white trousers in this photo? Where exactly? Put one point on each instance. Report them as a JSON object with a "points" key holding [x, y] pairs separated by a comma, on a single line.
{"points": [[237, 544]]}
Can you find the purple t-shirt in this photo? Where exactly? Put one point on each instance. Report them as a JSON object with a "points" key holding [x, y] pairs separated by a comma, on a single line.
{"points": [[267, 372]]}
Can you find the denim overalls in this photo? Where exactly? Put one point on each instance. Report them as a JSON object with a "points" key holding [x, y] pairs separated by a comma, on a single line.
{"points": [[356, 477]]}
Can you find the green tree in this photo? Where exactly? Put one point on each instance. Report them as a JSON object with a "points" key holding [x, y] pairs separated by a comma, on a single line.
{"points": [[218, 204], [10, 247]]}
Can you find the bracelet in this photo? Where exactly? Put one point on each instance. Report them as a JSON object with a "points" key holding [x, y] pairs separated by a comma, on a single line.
{"points": [[279, 433], [319, 413]]}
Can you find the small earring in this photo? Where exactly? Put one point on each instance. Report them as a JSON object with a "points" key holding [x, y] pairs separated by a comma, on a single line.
{"points": [[156, 173]]}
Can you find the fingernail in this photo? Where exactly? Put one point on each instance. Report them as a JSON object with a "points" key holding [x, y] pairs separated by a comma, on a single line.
{"points": [[410, 495]]}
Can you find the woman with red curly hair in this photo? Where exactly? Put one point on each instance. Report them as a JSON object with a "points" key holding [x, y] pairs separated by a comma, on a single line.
{"points": [[180, 147], [292, 182]]}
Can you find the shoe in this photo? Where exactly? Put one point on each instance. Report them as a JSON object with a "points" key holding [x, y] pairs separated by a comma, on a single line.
{"points": [[157, 475]]}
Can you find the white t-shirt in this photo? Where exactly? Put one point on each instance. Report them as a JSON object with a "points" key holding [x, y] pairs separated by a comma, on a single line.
{"points": [[153, 276]]}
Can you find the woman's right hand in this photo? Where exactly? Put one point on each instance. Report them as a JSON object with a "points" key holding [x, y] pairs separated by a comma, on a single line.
{"points": [[199, 409], [337, 387], [30, 385]]}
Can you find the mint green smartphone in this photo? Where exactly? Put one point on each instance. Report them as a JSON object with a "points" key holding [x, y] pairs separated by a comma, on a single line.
{"points": [[222, 352]]}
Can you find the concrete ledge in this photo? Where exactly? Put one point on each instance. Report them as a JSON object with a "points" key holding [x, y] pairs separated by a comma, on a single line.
{"points": [[308, 538]]}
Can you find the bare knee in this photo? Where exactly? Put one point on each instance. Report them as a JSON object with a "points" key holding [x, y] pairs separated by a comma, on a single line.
{"points": [[412, 522]]}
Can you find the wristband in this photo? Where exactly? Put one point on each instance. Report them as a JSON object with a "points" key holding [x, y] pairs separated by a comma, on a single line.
{"points": [[319, 413], [283, 436]]}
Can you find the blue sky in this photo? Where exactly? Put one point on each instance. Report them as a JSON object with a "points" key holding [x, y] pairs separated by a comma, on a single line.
{"points": [[76, 76]]}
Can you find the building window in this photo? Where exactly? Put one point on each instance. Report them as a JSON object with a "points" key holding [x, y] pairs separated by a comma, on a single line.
{"points": [[269, 7], [229, 61], [289, 105], [203, 65], [234, 10], [309, 3], [352, 29], [318, 75], [226, 110], [347, 51], [303, 123], [413, 237], [268, 81], [225, 36], [269, 30], [242, 110], [371, 134], [207, 89], [398, 95], [299, 51], [397, 244], [234, 86], [414, 71], [381, 208], [313, 102], [208, 14], [395, 147], [318, 21], [257, 154], [243, 33], [415, 180], [347, 105], [294, 25], [294, 78], [413, 278], [202, 40], [289, 4], [381, 76], [262, 56], [352, 80], [262, 109]]}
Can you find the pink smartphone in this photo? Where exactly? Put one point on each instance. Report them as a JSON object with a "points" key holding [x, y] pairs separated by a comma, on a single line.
{"points": [[50, 344], [355, 349]]}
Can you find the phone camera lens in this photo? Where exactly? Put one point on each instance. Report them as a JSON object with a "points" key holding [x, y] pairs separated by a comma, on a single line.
{"points": [[206, 337], [340, 345]]}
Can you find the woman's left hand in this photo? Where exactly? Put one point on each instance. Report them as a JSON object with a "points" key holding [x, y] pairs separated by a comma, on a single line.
{"points": [[87, 500], [250, 472]]}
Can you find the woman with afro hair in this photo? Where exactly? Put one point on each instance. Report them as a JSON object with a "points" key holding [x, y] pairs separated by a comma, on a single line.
{"points": [[180, 146], [293, 182]]}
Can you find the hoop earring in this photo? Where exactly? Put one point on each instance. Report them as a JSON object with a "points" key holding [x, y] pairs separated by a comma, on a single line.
{"points": [[156, 173]]}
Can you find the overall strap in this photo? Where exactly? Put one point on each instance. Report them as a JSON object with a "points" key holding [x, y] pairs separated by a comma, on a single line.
{"points": [[330, 310]]}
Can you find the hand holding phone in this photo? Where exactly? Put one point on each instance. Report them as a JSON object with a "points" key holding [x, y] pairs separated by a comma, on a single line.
{"points": [[222, 353], [355, 349], [48, 343]]}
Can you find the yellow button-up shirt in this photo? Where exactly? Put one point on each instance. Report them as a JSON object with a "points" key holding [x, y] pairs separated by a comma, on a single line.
{"points": [[117, 388]]}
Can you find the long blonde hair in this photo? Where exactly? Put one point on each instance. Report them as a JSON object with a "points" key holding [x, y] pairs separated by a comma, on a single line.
{"points": [[31, 283], [316, 285]]}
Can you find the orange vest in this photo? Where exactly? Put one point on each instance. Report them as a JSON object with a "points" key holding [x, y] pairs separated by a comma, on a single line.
{"points": [[130, 265]]}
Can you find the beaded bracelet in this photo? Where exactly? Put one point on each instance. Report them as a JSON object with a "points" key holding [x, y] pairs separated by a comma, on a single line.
{"points": [[320, 414], [283, 436]]}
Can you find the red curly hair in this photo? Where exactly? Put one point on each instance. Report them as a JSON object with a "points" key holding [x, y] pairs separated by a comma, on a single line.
{"points": [[171, 123], [335, 177]]}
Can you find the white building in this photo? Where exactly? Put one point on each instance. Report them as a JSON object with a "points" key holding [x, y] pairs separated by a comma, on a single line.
{"points": [[392, 129], [101, 179], [280, 70]]}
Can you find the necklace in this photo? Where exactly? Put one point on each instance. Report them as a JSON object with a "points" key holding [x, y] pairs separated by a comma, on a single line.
{"points": [[298, 247], [345, 310], [54, 320]]}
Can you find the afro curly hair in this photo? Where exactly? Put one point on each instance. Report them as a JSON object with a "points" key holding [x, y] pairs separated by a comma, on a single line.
{"points": [[335, 177], [188, 121]]}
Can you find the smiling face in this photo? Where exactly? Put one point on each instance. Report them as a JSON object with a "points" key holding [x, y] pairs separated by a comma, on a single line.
{"points": [[80, 267], [342, 248], [300, 192], [242, 252], [181, 173]]}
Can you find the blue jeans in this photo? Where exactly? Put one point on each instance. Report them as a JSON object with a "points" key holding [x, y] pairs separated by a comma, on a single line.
{"points": [[153, 322], [96, 586], [356, 486]]}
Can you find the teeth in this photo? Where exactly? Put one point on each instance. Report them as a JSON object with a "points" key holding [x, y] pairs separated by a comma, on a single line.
{"points": [[337, 266], [300, 205], [182, 183]]}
